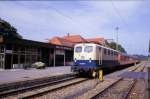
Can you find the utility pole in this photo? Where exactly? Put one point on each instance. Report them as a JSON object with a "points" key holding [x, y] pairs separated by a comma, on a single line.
{"points": [[117, 28], [149, 51]]}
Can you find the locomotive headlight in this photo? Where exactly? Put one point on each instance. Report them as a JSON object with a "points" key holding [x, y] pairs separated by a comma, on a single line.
{"points": [[90, 60]]}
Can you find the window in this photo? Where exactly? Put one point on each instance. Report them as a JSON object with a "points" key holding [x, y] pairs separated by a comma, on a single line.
{"points": [[98, 48], [108, 53], [88, 49], [1, 49], [78, 49], [105, 51], [116, 53], [111, 53]]}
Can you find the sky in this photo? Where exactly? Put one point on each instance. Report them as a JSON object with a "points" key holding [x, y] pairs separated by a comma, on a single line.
{"points": [[42, 20]]}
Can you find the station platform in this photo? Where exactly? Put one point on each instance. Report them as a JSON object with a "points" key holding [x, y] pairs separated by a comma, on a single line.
{"points": [[17, 75]]}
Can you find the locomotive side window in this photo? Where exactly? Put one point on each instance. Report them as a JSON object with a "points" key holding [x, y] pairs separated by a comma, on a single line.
{"points": [[105, 51], [108, 52], [78, 49], [111, 53], [88, 49]]}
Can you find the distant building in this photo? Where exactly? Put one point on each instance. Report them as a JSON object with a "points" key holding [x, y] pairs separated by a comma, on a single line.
{"points": [[71, 40]]}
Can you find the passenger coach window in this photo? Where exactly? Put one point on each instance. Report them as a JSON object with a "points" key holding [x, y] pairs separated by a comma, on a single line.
{"points": [[88, 49], [78, 49], [114, 53]]}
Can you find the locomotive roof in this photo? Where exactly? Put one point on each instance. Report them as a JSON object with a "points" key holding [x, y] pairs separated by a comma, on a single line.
{"points": [[97, 45]]}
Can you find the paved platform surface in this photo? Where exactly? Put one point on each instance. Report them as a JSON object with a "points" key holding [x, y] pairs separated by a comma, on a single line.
{"points": [[125, 71], [15, 75]]}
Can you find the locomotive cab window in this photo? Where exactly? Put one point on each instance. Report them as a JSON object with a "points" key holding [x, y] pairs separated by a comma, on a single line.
{"points": [[88, 49], [78, 49], [105, 51]]}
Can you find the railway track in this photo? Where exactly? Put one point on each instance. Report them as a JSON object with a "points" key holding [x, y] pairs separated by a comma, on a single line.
{"points": [[119, 89], [66, 95], [48, 90], [44, 89], [22, 87]]}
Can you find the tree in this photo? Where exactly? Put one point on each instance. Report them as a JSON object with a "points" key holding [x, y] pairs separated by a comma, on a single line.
{"points": [[120, 48], [8, 31]]}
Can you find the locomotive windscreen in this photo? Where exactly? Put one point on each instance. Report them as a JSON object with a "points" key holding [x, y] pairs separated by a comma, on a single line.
{"points": [[88, 49], [78, 49]]}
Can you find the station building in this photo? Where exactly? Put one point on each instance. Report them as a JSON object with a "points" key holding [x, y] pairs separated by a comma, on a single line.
{"points": [[18, 53]]}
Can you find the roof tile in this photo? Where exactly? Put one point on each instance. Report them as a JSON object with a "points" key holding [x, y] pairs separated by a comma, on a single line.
{"points": [[71, 40]]}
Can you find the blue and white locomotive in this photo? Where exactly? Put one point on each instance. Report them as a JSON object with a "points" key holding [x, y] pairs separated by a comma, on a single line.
{"points": [[90, 57]]}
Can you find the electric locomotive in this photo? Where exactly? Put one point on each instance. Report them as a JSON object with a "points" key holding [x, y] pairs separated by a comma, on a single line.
{"points": [[90, 57]]}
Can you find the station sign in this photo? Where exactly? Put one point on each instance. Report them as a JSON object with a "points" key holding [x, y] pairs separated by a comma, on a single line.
{"points": [[62, 47], [8, 51]]}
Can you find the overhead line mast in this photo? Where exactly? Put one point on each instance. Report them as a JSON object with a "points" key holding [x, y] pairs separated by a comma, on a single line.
{"points": [[117, 28], [149, 51]]}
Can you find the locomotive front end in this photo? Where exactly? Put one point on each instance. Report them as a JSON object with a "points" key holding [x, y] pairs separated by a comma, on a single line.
{"points": [[84, 58]]}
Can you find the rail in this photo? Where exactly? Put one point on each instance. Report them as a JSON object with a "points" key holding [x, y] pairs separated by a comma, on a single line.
{"points": [[21, 87], [126, 93]]}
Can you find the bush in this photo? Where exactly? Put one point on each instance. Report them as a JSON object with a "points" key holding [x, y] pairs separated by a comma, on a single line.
{"points": [[39, 65]]}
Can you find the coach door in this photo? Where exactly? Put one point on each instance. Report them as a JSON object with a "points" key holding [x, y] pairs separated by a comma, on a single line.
{"points": [[100, 55]]}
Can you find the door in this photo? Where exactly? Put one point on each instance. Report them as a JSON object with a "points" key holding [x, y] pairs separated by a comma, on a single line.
{"points": [[100, 50], [8, 61]]}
